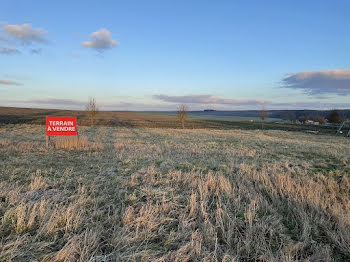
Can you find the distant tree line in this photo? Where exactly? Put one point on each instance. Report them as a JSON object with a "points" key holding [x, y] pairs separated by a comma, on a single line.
{"points": [[320, 116], [284, 114], [333, 116]]}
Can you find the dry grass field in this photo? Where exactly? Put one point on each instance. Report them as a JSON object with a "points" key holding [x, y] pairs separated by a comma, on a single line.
{"points": [[142, 194], [15, 115]]}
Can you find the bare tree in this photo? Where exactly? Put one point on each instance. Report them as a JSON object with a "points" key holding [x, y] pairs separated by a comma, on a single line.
{"points": [[263, 115], [92, 109], [182, 114], [320, 120]]}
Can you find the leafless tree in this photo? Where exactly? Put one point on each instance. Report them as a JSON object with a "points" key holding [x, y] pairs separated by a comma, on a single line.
{"points": [[182, 114], [263, 115], [320, 120], [92, 109]]}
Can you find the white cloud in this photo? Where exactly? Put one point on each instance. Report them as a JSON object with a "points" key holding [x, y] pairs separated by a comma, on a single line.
{"points": [[100, 40], [58, 103], [9, 50], [36, 51], [336, 81], [8, 82], [26, 34], [207, 99]]}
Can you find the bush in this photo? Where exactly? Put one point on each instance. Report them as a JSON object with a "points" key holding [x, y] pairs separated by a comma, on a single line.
{"points": [[335, 117]]}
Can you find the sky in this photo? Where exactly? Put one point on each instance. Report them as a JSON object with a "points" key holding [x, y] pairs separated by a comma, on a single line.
{"points": [[155, 55]]}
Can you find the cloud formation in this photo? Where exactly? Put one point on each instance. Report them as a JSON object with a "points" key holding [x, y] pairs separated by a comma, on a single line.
{"points": [[100, 41], [36, 51], [58, 103], [9, 50], [8, 82], [26, 34], [206, 99], [55, 103], [313, 83]]}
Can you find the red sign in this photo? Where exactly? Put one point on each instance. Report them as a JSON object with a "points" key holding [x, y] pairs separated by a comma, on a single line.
{"points": [[61, 126]]}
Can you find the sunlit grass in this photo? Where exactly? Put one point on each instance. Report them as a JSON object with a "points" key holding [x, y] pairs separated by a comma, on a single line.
{"points": [[123, 194]]}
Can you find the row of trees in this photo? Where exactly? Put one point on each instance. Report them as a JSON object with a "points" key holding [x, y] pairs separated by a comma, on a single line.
{"points": [[333, 117], [319, 119]]}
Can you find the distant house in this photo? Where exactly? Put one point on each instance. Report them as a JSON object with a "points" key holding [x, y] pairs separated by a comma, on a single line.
{"points": [[311, 122]]}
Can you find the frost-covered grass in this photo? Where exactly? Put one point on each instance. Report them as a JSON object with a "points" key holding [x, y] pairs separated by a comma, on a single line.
{"points": [[123, 194]]}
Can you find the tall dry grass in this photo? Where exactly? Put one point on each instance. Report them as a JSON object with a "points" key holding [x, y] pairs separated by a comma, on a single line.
{"points": [[77, 142], [174, 195]]}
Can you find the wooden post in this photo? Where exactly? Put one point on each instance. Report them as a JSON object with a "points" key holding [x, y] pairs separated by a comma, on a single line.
{"points": [[47, 141], [77, 140]]}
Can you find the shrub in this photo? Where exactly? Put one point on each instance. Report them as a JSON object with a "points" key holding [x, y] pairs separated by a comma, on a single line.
{"points": [[335, 117]]}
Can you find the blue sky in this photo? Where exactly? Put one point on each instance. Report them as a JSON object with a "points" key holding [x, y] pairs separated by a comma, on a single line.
{"points": [[155, 55]]}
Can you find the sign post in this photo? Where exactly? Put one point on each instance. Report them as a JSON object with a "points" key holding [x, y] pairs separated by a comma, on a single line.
{"points": [[47, 140], [60, 126]]}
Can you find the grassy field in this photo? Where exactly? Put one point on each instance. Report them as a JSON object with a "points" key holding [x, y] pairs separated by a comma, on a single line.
{"points": [[12, 115], [149, 194]]}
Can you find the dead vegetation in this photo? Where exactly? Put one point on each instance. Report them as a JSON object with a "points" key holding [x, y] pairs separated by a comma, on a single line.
{"points": [[182, 114], [76, 142], [91, 110], [71, 143], [174, 195]]}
